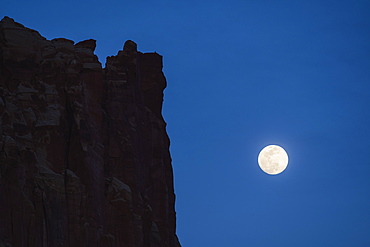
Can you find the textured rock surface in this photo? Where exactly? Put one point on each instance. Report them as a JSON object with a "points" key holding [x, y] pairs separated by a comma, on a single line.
{"points": [[84, 154]]}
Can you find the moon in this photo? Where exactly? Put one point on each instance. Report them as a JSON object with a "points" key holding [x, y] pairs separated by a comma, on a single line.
{"points": [[273, 159]]}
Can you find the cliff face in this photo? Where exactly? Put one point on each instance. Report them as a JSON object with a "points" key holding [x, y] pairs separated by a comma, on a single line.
{"points": [[84, 154]]}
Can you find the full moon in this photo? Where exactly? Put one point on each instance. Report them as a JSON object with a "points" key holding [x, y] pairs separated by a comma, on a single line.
{"points": [[273, 159]]}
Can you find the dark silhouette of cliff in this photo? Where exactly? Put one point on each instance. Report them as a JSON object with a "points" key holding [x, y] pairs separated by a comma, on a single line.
{"points": [[84, 154]]}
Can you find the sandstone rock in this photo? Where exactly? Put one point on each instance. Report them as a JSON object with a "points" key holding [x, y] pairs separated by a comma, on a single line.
{"points": [[84, 154]]}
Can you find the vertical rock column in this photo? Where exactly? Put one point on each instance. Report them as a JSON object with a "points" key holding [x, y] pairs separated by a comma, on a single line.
{"points": [[138, 143]]}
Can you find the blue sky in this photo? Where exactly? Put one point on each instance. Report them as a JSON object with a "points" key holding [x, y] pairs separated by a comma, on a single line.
{"points": [[242, 75]]}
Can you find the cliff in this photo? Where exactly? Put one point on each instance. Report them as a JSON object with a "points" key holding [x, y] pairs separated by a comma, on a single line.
{"points": [[84, 154]]}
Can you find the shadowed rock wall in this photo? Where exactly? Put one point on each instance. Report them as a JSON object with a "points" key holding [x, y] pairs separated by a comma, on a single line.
{"points": [[84, 154]]}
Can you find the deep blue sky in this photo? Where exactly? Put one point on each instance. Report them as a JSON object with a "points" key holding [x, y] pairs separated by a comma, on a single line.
{"points": [[242, 75]]}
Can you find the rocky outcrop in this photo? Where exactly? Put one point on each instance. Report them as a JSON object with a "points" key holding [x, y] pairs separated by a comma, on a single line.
{"points": [[84, 154]]}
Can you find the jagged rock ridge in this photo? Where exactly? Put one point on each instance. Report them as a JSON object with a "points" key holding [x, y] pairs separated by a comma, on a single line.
{"points": [[84, 158]]}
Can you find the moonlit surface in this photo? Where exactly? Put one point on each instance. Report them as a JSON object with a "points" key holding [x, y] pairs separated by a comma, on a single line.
{"points": [[273, 159]]}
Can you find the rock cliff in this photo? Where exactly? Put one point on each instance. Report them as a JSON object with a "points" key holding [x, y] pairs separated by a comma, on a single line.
{"points": [[84, 154]]}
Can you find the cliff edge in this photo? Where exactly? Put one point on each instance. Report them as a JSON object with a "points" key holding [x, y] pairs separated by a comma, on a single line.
{"points": [[84, 154]]}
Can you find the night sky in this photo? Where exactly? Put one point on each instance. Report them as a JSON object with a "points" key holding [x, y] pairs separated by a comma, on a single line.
{"points": [[242, 75]]}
